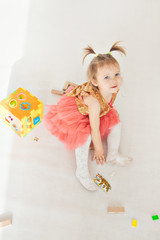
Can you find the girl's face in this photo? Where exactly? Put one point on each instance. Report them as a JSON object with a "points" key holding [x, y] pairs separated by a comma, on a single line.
{"points": [[108, 78]]}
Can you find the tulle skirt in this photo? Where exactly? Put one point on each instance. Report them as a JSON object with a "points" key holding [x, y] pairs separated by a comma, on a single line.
{"points": [[71, 127]]}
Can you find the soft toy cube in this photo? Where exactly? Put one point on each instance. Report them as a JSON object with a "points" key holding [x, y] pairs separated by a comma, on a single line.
{"points": [[21, 111]]}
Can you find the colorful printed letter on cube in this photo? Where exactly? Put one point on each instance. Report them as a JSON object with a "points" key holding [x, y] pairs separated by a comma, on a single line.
{"points": [[22, 111]]}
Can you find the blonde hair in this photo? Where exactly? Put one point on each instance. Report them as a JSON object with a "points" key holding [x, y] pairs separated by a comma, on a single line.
{"points": [[100, 60]]}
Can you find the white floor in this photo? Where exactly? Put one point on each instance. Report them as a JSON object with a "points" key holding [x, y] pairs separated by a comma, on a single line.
{"points": [[39, 188]]}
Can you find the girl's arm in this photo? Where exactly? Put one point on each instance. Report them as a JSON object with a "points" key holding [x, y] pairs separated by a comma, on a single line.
{"points": [[94, 112]]}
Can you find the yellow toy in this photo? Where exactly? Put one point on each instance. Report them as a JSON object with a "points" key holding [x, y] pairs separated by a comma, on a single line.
{"points": [[21, 111], [134, 223]]}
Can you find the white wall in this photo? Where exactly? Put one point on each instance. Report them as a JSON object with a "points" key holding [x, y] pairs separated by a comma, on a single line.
{"points": [[13, 28], [13, 25]]}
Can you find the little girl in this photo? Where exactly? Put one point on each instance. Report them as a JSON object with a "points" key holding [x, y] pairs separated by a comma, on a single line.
{"points": [[86, 113]]}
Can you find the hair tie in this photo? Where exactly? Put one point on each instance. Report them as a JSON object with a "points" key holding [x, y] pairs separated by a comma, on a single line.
{"points": [[96, 55], [109, 53]]}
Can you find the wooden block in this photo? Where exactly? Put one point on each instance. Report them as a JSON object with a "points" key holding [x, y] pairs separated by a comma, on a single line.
{"points": [[57, 92], [5, 222], [68, 84], [134, 223], [116, 209], [36, 139], [155, 217], [65, 86]]}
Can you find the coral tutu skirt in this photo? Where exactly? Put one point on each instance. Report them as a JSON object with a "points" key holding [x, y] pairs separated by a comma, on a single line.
{"points": [[71, 127]]}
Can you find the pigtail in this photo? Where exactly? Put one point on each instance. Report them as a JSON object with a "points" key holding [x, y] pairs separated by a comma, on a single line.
{"points": [[87, 50], [115, 47]]}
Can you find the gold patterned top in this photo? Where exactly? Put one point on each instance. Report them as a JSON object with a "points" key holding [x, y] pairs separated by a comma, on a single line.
{"points": [[87, 89]]}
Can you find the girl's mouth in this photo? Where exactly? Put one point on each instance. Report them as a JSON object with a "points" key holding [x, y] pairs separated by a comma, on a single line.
{"points": [[114, 86]]}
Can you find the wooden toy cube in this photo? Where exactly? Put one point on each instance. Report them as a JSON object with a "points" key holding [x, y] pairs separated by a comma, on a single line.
{"points": [[21, 111]]}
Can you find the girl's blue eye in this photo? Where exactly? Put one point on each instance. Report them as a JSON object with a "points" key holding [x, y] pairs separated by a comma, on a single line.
{"points": [[106, 77], [117, 74]]}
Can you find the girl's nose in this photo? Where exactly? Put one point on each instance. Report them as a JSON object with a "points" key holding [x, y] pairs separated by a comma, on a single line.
{"points": [[114, 80]]}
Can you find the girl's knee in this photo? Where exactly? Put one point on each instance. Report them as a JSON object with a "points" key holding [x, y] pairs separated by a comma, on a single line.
{"points": [[117, 126]]}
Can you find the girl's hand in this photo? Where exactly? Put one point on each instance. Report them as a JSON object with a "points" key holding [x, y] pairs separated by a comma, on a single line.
{"points": [[99, 156]]}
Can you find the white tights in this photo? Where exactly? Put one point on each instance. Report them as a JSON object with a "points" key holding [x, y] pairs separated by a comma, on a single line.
{"points": [[113, 142], [113, 157], [82, 171]]}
